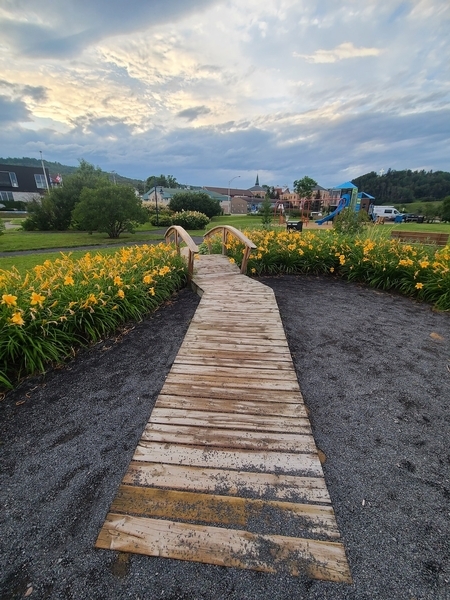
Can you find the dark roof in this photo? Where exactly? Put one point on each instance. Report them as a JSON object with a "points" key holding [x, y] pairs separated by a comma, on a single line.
{"points": [[224, 191]]}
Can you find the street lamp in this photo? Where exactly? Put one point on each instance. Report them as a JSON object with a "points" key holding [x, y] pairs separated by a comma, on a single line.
{"points": [[229, 197]]}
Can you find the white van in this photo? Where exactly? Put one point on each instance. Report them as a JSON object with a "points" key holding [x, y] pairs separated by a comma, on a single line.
{"points": [[387, 212]]}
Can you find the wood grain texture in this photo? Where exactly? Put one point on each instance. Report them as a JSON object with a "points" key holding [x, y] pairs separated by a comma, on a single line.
{"points": [[225, 547], [271, 486]]}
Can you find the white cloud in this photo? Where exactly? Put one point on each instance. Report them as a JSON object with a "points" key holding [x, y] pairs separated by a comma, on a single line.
{"points": [[343, 51]]}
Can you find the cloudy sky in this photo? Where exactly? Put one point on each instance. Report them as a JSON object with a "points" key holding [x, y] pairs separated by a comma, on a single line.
{"points": [[208, 90]]}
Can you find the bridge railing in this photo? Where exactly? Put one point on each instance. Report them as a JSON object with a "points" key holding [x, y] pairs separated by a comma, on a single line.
{"points": [[176, 234], [226, 230]]}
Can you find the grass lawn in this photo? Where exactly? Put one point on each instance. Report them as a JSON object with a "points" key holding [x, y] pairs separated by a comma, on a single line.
{"points": [[437, 227], [28, 261], [41, 240]]}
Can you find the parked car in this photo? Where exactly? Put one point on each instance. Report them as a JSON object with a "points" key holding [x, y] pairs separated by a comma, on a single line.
{"points": [[411, 217]]}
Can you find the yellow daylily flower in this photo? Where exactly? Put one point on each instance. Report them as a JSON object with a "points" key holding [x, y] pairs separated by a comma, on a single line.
{"points": [[16, 319], [36, 299], [9, 300]]}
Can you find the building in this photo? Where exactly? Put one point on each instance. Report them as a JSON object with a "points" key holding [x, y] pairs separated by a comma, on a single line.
{"points": [[257, 190], [23, 184]]}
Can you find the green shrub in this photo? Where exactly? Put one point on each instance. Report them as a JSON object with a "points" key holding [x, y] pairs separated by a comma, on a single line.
{"points": [[190, 219], [350, 222], [164, 220]]}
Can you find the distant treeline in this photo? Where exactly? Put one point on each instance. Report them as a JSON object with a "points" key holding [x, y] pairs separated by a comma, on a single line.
{"points": [[405, 186], [56, 168]]}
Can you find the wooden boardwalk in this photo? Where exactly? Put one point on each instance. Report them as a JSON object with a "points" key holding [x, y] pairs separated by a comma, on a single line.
{"points": [[227, 471]]}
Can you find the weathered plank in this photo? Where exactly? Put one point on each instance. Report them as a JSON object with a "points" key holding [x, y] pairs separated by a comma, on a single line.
{"points": [[239, 354], [227, 438], [223, 481], [234, 347], [257, 365], [237, 459], [237, 407], [228, 393], [229, 420], [225, 547], [228, 381], [241, 372], [258, 516]]}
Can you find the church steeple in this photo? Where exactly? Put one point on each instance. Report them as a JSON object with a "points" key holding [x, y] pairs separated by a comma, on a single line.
{"points": [[257, 180]]}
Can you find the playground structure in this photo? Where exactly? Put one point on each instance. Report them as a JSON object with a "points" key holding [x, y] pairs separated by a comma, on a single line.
{"points": [[342, 196], [348, 197]]}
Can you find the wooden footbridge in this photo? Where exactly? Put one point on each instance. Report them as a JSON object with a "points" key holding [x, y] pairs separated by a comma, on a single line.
{"points": [[227, 471]]}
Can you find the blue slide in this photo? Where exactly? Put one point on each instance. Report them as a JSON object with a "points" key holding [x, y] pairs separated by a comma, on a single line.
{"points": [[343, 202]]}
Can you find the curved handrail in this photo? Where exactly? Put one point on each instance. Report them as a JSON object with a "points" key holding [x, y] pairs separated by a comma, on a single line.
{"points": [[225, 230], [175, 234]]}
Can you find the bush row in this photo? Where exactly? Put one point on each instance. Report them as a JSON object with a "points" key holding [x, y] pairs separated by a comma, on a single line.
{"points": [[189, 219]]}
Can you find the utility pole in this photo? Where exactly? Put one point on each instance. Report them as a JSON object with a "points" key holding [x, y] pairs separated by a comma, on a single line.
{"points": [[43, 170]]}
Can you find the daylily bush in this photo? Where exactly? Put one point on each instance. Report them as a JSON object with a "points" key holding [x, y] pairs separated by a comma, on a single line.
{"points": [[415, 270], [63, 304]]}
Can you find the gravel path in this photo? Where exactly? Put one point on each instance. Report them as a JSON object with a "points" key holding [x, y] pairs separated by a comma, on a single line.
{"points": [[374, 371]]}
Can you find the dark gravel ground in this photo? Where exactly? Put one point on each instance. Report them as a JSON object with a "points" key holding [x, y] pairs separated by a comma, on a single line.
{"points": [[374, 371]]}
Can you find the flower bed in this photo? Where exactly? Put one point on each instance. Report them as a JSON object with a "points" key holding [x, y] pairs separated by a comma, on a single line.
{"points": [[415, 270], [63, 304]]}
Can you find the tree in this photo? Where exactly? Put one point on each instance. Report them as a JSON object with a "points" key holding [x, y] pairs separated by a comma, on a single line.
{"points": [[109, 208], [445, 210], [304, 187], [168, 181], [266, 211], [199, 201], [54, 211]]}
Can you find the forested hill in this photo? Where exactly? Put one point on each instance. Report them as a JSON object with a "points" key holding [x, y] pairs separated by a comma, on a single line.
{"points": [[405, 186], [56, 168]]}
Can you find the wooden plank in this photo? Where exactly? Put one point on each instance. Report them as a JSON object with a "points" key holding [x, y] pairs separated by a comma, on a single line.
{"points": [[239, 340], [234, 383], [226, 438], [234, 347], [242, 394], [213, 352], [237, 407], [187, 359], [229, 420], [237, 459], [225, 547], [241, 372], [258, 516], [236, 333], [245, 329], [223, 481]]}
